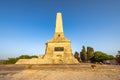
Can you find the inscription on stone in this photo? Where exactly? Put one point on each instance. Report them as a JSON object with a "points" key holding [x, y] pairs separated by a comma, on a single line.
{"points": [[59, 49]]}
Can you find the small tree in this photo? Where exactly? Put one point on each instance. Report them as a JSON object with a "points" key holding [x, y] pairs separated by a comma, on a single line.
{"points": [[27, 57], [76, 55], [119, 52], [100, 56], [83, 55], [111, 57], [10, 61], [90, 53], [118, 57]]}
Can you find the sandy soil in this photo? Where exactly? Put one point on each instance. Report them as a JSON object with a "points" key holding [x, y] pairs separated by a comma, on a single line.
{"points": [[59, 72]]}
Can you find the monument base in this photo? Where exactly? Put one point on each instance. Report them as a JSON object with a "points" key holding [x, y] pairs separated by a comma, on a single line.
{"points": [[41, 60]]}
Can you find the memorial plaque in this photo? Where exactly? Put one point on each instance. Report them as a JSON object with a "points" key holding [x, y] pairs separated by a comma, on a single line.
{"points": [[59, 49]]}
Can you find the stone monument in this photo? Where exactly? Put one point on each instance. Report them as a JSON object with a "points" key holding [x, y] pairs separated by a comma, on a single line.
{"points": [[58, 49]]}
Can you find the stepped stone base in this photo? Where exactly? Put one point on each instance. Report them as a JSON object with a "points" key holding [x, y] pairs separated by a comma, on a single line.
{"points": [[39, 60]]}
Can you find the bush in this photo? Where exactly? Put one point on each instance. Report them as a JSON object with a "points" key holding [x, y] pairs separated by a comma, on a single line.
{"points": [[14, 60]]}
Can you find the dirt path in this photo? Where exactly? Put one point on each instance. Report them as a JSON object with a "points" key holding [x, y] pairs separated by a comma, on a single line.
{"points": [[59, 72]]}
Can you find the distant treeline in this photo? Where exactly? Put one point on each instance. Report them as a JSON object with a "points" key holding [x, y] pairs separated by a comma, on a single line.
{"points": [[14, 60], [89, 55]]}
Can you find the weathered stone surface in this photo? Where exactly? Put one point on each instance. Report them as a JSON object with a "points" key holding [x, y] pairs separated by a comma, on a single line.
{"points": [[58, 49]]}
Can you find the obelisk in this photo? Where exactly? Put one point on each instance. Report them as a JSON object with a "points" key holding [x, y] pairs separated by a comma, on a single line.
{"points": [[59, 47], [59, 23]]}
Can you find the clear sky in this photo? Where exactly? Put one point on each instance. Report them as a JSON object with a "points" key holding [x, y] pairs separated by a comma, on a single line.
{"points": [[26, 25]]}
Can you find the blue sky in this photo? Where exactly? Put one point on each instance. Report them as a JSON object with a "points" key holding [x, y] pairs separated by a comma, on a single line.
{"points": [[26, 25]]}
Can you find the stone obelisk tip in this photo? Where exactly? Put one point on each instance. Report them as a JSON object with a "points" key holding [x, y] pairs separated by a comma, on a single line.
{"points": [[59, 24]]}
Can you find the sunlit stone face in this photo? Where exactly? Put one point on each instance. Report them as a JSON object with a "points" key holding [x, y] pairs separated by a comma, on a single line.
{"points": [[59, 24]]}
